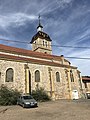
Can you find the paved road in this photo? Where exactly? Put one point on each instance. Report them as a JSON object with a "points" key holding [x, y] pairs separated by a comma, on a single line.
{"points": [[54, 110]]}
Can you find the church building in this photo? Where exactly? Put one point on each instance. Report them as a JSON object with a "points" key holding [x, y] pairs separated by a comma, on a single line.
{"points": [[25, 70]]}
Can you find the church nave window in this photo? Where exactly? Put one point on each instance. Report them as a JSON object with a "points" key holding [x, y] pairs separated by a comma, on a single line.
{"points": [[57, 77], [46, 44], [66, 74], [43, 43], [37, 76], [71, 76], [9, 75]]}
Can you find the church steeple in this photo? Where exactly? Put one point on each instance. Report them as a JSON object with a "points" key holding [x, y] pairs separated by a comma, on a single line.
{"points": [[39, 27], [41, 42]]}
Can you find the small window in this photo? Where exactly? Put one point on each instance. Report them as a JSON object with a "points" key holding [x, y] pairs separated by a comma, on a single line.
{"points": [[9, 75], [46, 44], [43, 43], [71, 76], [66, 75], [57, 77], [79, 77], [37, 76]]}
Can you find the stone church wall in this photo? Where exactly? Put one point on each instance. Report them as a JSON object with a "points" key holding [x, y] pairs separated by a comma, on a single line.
{"points": [[60, 90], [19, 74]]}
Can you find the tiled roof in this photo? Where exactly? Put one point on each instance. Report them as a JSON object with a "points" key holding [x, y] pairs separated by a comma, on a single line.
{"points": [[34, 61], [85, 78], [20, 51], [41, 35]]}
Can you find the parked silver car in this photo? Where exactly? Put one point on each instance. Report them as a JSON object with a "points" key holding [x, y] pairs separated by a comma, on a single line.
{"points": [[26, 101]]}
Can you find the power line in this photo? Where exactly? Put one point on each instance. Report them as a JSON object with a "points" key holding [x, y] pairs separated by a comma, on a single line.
{"points": [[7, 40], [78, 58], [25, 42], [73, 47]]}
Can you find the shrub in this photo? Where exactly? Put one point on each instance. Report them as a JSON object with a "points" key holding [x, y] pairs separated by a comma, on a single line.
{"points": [[8, 96], [40, 95]]}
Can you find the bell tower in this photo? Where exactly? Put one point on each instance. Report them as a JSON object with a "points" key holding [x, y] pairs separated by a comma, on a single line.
{"points": [[41, 42]]}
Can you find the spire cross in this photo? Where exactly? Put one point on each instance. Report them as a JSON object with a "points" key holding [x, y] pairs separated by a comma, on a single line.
{"points": [[39, 19]]}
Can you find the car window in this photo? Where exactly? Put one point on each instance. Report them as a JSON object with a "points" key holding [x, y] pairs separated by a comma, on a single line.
{"points": [[27, 97]]}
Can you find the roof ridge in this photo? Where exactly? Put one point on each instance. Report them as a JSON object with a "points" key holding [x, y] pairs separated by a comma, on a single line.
{"points": [[23, 51], [35, 61]]}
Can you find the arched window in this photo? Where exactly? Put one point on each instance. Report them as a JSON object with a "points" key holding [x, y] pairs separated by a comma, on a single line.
{"points": [[43, 43], [46, 44], [79, 79], [37, 76], [66, 74], [57, 77], [71, 76], [9, 75]]}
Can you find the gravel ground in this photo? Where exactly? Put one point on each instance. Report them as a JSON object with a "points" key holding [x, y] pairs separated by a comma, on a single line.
{"points": [[53, 110]]}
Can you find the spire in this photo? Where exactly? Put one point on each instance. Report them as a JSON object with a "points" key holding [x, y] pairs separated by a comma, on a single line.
{"points": [[39, 19], [39, 28]]}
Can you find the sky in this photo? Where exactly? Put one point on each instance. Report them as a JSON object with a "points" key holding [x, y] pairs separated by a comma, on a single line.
{"points": [[67, 22]]}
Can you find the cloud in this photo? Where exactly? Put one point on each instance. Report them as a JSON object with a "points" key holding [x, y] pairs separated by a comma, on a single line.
{"points": [[82, 64], [28, 11], [83, 36], [66, 21], [16, 19], [74, 28], [51, 6], [62, 3]]}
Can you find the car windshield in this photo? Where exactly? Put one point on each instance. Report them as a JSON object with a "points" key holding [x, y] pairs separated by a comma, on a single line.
{"points": [[27, 97]]}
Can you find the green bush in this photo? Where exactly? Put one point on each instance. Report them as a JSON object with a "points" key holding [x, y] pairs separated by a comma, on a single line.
{"points": [[40, 95], [8, 96]]}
